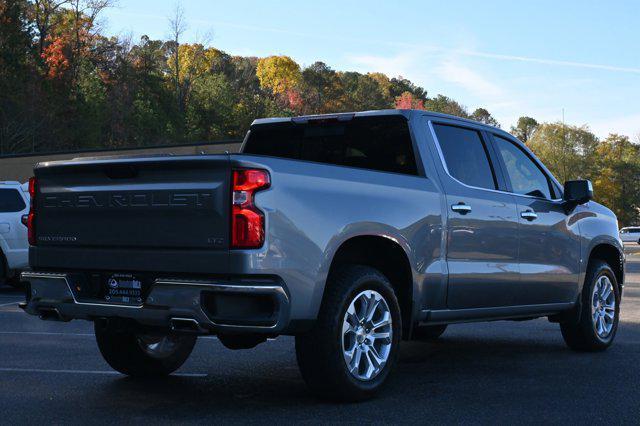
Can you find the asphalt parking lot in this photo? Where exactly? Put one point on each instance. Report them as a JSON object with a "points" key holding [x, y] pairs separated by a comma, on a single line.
{"points": [[503, 372]]}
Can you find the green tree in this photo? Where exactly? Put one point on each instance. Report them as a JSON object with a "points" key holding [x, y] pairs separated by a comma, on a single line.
{"points": [[484, 116], [525, 128], [446, 105], [568, 151], [361, 92], [322, 88], [210, 112], [617, 180]]}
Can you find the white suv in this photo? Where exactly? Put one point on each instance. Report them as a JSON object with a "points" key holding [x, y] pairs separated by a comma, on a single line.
{"points": [[14, 245], [630, 234]]}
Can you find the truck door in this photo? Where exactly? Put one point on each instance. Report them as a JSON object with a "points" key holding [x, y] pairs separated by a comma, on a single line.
{"points": [[549, 250], [482, 222]]}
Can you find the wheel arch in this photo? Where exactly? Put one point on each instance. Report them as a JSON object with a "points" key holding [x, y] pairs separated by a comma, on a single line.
{"points": [[613, 256], [387, 256]]}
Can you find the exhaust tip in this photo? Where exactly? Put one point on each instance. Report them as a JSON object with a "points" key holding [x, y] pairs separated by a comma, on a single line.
{"points": [[49, 314], [185, 325]]}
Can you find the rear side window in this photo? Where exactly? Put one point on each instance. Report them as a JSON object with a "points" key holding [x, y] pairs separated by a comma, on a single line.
{"points": [[10, 201], [465, 156], [378, 143], [525, 176]]}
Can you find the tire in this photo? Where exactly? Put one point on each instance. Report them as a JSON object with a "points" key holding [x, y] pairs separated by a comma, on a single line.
{"points": [[124, 351], [320, 355], [429, 332], [584, 335], [3, 269], [14, 281]]}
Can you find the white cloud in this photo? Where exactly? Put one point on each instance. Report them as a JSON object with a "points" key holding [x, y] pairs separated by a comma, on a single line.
{"points": [[453, 72], [544, 61]]}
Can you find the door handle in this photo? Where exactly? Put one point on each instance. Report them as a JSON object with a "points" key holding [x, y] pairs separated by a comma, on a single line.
{"points": [[461, 208], [529, 215]]}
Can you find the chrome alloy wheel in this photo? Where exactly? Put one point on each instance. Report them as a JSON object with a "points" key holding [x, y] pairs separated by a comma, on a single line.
{"points": [[367, 334], [603, 307], [159, 346]]}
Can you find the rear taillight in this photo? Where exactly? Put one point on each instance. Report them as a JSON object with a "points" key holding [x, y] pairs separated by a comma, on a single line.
{"points": [[247, 221], [31, 218]]}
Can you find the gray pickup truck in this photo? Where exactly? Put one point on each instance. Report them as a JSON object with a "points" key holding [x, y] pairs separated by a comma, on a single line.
{"points": [[350, 232]]}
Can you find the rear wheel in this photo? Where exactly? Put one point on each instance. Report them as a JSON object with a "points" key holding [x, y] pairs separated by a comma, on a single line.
{"points": [[599, 314], [143, 354], [354, 344]]}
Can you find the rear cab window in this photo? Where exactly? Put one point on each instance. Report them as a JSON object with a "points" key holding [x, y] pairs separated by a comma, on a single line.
{"points": [[11, 201], [465, 155], [381, 142]]}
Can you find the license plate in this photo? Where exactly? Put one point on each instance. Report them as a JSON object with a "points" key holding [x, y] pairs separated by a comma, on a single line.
{"points": [[123, 288]]}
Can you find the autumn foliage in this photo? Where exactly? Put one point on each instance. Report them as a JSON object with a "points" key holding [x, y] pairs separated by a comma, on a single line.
{"points": [[55, 57], [66, 86]]}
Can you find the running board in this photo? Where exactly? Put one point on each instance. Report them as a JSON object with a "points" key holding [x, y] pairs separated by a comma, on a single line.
{"points": [[448, 316]]}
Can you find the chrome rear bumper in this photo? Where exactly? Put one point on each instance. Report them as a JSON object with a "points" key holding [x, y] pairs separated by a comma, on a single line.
{"points": [[182, 305]]}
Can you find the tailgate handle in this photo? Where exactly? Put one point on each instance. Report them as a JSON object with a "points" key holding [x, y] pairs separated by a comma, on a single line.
{"points": [[121, 172]]}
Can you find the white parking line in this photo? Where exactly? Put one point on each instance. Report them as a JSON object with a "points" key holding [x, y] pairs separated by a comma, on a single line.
{"points": [[47, 333], [9, 304], [50, 333], [102, 372]]}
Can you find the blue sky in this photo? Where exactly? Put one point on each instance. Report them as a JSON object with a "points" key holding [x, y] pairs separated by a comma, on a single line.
{"points": [[514, 58]]}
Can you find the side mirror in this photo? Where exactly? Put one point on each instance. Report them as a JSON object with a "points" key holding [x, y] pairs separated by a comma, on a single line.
{"points": [[578, 191]]}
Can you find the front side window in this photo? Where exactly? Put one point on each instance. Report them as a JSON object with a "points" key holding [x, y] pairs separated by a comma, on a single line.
{"points": [[525, 176], [465, 155], [11, 201]]}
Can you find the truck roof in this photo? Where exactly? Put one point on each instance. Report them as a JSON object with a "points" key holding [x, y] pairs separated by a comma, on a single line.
{"points": [[405, 112]]}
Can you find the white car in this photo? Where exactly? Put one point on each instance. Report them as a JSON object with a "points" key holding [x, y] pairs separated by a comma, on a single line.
{"points": [[14, 245], [630, 234]]}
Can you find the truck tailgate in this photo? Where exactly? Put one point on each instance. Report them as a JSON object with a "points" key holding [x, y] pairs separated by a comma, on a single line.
{"points": [[150, 204]]}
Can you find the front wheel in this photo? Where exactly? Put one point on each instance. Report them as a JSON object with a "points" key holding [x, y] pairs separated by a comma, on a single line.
{"points": [[143, 354], [354, 345], [600, 311]]}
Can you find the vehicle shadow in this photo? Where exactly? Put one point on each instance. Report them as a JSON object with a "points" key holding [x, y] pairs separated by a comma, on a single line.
{"points": [[7, 290], [476, 372]]}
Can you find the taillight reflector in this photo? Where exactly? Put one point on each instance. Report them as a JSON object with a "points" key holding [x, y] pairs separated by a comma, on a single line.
{"points": [[247, 221], [31, 218]]}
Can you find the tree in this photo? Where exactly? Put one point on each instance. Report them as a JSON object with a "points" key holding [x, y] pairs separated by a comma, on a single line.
{"points": [[484, 116], [617, 181], [360, 92], [446, 105], [399, 85], [525, 128], [177, 27], [210, 112], [322, 88], [568, 151], [279, 74], [16, 122], [408, 101], [42, 12]]}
